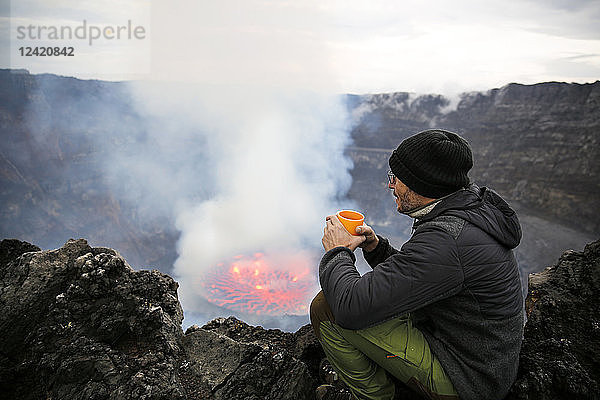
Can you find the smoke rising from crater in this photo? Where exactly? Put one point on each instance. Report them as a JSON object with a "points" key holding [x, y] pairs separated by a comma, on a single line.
{"points": [[273, 167], [234, 170], [249, 157], [269, 144], [266, 124]]}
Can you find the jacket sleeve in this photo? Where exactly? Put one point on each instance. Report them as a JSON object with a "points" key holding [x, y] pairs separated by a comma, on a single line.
{"points": [[426, 269], [380, 253]]}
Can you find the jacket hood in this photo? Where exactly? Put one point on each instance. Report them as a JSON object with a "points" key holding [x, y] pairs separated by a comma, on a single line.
{"points": [[483, 208]]}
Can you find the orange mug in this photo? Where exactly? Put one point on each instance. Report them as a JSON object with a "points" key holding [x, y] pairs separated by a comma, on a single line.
{"points": [[350, 219]]}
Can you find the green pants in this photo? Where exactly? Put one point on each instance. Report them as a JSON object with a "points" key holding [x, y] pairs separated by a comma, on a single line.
{"points": [[362, 357]]}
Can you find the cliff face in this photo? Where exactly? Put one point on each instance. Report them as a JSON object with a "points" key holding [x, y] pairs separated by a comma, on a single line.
{"points": [[538, 145], [560, 358], [79, 323], [52, 169]]}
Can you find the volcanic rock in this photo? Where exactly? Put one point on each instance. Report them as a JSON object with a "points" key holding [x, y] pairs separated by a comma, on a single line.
{"points": [[302, 345], [79, 323], [247, 368], [560, 357]]}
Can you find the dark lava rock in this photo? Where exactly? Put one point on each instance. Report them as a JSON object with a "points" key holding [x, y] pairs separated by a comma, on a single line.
{"points": [[237, 365], [11, 249], [79, 323], [301, 345], [560, 358]]}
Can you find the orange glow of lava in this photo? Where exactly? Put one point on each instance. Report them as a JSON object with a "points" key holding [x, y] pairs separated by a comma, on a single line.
{"points": [[260, 284]]}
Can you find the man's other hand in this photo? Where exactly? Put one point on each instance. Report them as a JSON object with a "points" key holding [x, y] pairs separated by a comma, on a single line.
{"points": [[335, 235], [371, 239]]}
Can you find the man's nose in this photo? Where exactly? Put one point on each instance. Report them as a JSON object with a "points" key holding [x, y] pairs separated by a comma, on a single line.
{"points": [[390, 186]]}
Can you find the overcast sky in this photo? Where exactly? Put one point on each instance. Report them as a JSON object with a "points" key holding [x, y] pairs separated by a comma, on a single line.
{"points": [[345, 46]]}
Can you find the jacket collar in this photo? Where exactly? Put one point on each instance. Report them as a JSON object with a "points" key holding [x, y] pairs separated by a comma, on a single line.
{"points": [[463, 199]]}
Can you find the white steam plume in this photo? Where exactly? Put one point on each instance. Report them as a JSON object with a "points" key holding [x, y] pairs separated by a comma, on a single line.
{"points": [[270, 129], [273, 168], [279, 170]]}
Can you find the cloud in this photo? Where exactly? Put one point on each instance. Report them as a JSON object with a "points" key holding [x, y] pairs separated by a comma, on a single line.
{"points": [[104, 11], [277, 158], [358, 47], [561, 18], [242, 42], [436, 47], [581, 65]]}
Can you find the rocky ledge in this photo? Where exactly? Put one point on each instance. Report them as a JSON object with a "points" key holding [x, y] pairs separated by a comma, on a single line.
{"points": [[79, 323]]}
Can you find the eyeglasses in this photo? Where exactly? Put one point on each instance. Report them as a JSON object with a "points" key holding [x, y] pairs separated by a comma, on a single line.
{"points": [[391, 177]]}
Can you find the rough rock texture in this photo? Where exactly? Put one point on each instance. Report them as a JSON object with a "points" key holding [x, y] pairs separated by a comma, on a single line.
{"points": [[243, 367], [79, 323], [560, 358], [302, 345]]}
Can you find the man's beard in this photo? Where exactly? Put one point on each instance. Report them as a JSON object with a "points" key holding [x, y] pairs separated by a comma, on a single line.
{"points": [[408, 201]]}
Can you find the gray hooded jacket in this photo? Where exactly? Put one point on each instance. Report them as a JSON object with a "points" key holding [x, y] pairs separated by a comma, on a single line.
{"points": [[458, 278]]}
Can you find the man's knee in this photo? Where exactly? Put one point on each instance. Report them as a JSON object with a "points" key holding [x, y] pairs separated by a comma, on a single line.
{"points": [[319, 312]]}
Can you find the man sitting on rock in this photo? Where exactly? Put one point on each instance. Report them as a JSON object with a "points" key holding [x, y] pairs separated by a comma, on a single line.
{"points": [[444, 313]]}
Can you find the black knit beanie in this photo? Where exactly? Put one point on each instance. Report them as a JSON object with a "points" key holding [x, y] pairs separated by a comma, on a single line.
{"points": [[433, 163]]}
